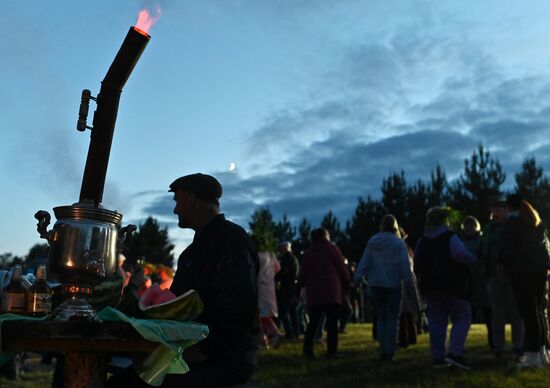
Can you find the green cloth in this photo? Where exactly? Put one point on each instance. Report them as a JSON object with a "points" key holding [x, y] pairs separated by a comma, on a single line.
{"points": [[174, 337]]}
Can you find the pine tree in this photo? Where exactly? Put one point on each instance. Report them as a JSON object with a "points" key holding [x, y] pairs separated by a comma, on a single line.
{"points": [[330, 222], [364, 223], [394, 195], [284, 231], [38, 254], [417, 206], [437, 188], [8, 260], [478, 186], [301, 244], [151, 243], [263, 229], [533, 186]]}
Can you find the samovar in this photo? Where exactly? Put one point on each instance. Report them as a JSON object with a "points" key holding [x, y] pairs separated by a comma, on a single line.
{"points": [[85, 238]]}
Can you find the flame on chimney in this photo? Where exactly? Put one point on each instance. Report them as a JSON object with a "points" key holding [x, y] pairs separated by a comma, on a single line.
{"points": [[146, 20]]}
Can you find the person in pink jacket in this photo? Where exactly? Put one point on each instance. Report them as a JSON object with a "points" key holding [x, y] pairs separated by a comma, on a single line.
{"points": [[323, 274], [267, 300]]}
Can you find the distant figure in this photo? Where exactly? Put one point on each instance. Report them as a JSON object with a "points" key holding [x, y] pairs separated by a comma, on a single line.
{"points": [[504, 307], [123, 273], [525, 256], [411, 303], [385, 263], [139, 282], [166, 276], [147, 283], [441, 265], [356, 299], [267, 300], [323, 275], [136, 279], [471, 238], [346, 310], [286, 280]]}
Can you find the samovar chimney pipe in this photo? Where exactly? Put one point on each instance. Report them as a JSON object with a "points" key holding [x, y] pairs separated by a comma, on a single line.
{"points": [[95, 172]]}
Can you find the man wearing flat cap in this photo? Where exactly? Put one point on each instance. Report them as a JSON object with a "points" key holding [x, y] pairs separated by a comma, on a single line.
{"points": [[221, 264]]}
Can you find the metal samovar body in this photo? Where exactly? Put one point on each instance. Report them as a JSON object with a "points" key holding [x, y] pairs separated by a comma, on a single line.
{"points": [[83, 244], [83, 253]]}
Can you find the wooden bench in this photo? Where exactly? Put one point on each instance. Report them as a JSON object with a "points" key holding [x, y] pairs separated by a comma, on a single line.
{"points": [[87, 346]]}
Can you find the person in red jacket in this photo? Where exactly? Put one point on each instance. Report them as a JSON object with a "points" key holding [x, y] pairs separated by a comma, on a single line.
{"points": [[323, 274]]}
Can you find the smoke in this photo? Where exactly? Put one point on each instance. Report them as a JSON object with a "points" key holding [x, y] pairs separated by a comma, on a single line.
{"points": [[155, 4], [53, 160], [42, 149], [49, 159]]}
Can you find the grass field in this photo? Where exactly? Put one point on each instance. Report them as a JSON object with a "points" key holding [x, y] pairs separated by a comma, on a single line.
{"points": [[358, 367]]}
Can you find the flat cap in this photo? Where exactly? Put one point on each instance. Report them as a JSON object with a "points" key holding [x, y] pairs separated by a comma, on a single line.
{"points": [[202, 185]]}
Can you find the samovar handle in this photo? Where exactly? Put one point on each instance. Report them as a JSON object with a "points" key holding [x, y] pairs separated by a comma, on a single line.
{"points": [[43, 218], [126, 233]]}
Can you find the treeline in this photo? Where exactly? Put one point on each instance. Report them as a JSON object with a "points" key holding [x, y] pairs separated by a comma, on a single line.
{"points": [[478, 185], [38, 254]]}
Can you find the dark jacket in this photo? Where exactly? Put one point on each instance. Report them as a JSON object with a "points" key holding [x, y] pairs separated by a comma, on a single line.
{"points": [[441, 265], [491, 242], [288, 274], [478, 280], [323, 274], [222, 265], [525, 250]]}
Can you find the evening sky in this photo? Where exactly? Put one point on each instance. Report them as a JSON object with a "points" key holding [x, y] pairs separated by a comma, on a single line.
{"points": [[313, 101]]}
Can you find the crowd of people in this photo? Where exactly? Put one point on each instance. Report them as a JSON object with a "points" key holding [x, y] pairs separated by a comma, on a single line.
{"points": [[258, 297], [495, 275], [141, 276], [255, 296]]}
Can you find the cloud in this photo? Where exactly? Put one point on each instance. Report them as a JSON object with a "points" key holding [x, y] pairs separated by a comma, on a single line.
{"points": [[417, 78], [510, 135], [335, 181]]}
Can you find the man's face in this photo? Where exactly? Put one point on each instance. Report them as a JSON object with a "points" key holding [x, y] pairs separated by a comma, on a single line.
{"points": [[184, 203], [499, 213]]}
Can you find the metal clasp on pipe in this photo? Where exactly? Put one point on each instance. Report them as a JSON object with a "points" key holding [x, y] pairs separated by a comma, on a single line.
{"points": [[81, 124]]}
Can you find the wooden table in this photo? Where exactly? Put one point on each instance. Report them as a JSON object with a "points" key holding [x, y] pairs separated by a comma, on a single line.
{"points": [[86, 345]]}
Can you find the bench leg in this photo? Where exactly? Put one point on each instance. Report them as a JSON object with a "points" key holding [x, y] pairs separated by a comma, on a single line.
{"points": [[84, 370]]}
